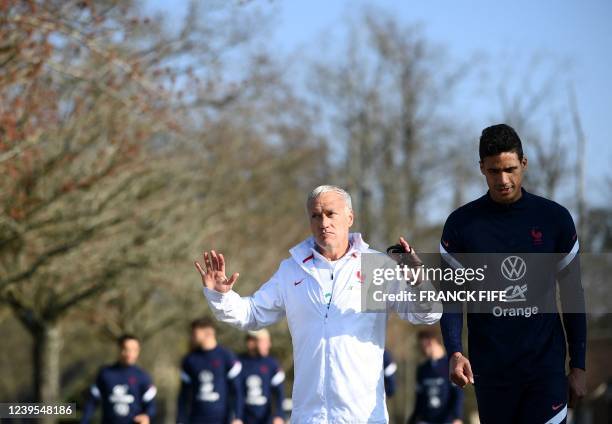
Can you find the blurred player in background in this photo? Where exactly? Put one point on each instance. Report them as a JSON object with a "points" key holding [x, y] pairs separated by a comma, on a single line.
{"points": [[210, 388], [389, 369], [438, 400], [262, 379], [125, 390]]}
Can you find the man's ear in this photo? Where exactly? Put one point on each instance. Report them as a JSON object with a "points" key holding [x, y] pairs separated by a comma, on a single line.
{"points": [[524, 162], [351, 218], [482, 170]]}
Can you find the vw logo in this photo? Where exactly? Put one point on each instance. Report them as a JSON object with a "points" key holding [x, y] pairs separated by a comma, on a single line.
{"points": [[513, 268]]}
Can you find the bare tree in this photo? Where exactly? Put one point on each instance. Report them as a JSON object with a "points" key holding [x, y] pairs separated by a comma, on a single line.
{"points": [[89, 193], [580, 161], [525, 107], [386, 94], [130, 149]]}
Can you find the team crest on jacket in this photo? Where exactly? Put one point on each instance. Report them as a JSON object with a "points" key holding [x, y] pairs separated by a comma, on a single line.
{"points": [[360, 277], [536, 236]]}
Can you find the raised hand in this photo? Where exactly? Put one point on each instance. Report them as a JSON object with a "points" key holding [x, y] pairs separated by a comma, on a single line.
{"points": [[213, 272], [411, 256], [404, 254], [142, 419]]}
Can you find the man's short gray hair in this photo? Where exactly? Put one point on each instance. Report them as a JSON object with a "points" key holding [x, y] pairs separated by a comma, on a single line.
{"points": [[325, 189]]}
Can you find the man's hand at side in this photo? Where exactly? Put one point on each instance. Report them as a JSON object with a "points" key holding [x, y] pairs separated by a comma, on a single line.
{"points": [[142, 419], [460, 370], [577, 386], [213, 273]]}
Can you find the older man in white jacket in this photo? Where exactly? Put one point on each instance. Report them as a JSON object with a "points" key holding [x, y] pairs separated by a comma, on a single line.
{"points": [[337, 347]]}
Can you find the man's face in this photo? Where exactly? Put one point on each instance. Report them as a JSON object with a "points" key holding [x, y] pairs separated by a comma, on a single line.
{"points": [[251, 344], [129, 352], [427, 346], [504, 174], [263, 345], [330, 220], [201, 336]]}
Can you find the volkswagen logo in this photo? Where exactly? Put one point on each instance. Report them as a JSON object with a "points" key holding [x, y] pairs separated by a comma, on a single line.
{"points": [[513, 268]]}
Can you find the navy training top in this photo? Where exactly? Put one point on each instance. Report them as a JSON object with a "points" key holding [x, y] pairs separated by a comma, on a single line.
{"points": [[518, 348]]}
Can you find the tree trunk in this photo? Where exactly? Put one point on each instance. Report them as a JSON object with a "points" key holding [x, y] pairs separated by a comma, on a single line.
{"points": [[391, 187], [47, 347], [580, 161]]}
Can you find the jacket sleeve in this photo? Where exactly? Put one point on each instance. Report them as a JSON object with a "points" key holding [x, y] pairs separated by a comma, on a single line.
{"points": [[416, 312], [406, 300], [451, 322], [451, 325], [277, 391], [148, 397], [92, 401], [184, 395], [234, 368], [419, 404], [571, 291], [263, 308], [389, 368], [455, 404]]}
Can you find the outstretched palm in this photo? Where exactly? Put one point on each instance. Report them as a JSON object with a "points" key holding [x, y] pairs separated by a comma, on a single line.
{"points": [[213, 272]]}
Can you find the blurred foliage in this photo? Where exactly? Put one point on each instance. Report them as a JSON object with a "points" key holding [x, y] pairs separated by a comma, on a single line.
{"points": [[128, 145]]}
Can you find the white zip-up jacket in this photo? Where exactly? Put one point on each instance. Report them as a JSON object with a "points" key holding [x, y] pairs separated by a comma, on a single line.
{"points": [[337, 349]]}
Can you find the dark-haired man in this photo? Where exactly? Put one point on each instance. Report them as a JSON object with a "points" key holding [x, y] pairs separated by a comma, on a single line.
{"points": [[210, 388], [125, 390], [438, 400], [517, 363]]}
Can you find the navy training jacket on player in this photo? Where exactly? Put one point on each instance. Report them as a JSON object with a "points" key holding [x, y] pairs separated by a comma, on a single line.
{"points": [[125, 391], [519, 348], [262, 379], [210, 387], [438, 400]]}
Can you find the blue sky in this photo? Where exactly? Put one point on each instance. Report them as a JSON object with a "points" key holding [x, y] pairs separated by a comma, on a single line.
{"points": [[577, 36]]}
